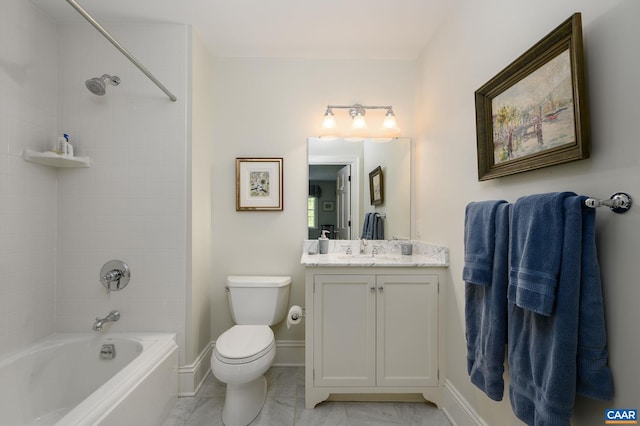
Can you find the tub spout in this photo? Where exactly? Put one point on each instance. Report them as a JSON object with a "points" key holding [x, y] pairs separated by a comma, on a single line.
{"points": [[113, 316]]}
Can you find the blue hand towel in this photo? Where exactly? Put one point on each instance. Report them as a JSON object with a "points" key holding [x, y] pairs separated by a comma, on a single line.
{"points": [[479, 241], [367, 226], [378, 227], [537, 228], [373, 226], [486, 302], [553, 357]]}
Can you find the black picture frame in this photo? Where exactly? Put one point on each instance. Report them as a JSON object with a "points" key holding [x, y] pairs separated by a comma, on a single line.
{"points": [[376, 186]]}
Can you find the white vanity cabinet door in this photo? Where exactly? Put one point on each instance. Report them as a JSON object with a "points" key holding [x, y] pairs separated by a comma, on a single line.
{"points": [[407, 330], [344, 330]]}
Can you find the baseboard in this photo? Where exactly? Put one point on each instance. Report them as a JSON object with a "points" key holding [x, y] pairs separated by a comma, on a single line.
{"points": [[289, 353], [191, 376], [457, 409]]}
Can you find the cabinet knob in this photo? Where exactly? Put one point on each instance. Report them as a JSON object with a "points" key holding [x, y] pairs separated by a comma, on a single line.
{"points": [[372, 288], [380, 287]]}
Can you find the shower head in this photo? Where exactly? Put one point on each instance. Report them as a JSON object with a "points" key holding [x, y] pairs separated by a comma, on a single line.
{"points": [[97, 85]]}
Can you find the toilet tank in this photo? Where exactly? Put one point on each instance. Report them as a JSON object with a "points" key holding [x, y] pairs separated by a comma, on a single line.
{"points": [[258, 300]]}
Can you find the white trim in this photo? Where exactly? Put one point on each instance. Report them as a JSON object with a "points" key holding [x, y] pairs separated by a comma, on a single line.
{"points": [[191, 376], [356, 184], [289, 353], [457, 409]]}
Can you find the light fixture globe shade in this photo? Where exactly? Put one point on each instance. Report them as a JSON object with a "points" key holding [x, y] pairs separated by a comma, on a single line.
{"points": [[359, 123], [328, 128], [389, 126], [358, 130], [389, 122], [329, 121]]}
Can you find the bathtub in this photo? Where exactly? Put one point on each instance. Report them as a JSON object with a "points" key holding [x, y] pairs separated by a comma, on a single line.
{"points": [[62, 380]]}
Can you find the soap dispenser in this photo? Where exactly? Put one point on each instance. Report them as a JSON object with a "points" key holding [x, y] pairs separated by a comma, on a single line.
{"points": [[323, 243], [68, 148]]}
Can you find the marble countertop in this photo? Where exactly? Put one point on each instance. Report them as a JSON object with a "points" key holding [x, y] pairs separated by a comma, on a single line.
{"points": [[388, 254]]}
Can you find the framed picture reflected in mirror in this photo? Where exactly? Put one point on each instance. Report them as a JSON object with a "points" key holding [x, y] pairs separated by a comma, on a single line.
{"points": [[376, 186]]}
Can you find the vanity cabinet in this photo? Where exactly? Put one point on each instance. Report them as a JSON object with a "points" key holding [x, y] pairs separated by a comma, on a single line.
{"points": [[373, 334]]}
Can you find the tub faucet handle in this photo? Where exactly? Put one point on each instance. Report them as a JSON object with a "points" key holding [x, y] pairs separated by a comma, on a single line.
{"points": [[115, 275]]}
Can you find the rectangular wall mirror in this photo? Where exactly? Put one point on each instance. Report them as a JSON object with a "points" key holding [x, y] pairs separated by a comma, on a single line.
{"points": [[339, 186]]}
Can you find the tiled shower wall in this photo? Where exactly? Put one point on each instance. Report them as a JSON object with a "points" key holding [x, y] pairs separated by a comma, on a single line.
{"points": [[28, 192], [130, 205]]}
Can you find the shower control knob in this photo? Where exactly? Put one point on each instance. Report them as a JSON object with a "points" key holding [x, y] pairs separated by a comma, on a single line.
{"points": [[115, 275]]}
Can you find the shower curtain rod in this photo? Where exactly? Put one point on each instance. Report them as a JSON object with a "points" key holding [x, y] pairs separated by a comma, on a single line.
{"points": [[120, 47]]}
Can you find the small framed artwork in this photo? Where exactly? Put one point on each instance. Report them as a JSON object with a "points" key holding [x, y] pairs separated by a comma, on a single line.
{"points": [[376, 186], [259, 184], [534, 113], [327, 206]]}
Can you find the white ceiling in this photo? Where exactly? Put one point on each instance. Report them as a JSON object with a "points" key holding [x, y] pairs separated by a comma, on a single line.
{"points": [[391, 29]]}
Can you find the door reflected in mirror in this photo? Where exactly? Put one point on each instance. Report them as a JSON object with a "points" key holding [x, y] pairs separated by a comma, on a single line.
{"points": [[339, 187]]}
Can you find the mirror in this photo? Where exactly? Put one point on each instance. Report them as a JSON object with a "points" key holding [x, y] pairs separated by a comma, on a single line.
{"points": [[339, 204]]}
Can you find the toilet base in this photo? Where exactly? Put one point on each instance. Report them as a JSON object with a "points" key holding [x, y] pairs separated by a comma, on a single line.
{"points": [[243, 402]]}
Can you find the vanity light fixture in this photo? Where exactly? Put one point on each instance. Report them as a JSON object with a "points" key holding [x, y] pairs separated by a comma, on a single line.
{"points": [[359, 129]]}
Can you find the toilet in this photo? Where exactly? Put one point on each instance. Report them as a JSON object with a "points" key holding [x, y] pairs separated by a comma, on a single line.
{"points": [[245, 352]]}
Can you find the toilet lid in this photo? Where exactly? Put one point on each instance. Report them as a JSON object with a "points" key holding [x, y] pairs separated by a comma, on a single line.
{"points": [[244, 341]]}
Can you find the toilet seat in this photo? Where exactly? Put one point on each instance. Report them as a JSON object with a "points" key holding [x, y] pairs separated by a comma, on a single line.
{"points": [[242, 344]]}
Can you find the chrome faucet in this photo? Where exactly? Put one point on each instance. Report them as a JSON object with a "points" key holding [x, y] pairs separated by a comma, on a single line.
{"points": [[112, 317], [363, 244]]}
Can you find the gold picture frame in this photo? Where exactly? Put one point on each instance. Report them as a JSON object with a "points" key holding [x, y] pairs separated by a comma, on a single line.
{"points": [[534, 113], [259, 184]]}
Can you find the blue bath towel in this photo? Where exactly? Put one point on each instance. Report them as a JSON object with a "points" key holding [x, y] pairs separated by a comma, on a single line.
{"points": [[594, 375], [486, 276], [536, 250], [553, 357], [479, 241]]}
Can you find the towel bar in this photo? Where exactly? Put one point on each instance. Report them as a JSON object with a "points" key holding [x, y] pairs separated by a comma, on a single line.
{"points": [[620, 202]]}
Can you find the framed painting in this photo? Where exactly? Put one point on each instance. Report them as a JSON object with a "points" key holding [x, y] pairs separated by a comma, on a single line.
{"points": [[534, 113], [259, 184], [376, 186]]}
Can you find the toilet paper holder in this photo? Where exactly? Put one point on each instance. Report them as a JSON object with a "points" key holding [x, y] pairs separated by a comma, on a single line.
{"points": [[295, 316]]}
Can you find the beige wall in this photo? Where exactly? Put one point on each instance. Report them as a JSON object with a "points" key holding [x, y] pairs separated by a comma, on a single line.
{"points": [[478, 40], [199, 158], [269, 107]]}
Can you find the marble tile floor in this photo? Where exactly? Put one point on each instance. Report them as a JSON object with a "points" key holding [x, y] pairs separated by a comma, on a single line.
{"points": [[285, 406]]}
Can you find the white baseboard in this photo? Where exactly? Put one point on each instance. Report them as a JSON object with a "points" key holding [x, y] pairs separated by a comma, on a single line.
{"points": [[191, 376], [289, 353], [457, 409]]}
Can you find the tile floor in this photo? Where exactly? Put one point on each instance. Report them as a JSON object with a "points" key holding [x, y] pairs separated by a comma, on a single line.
{"points": [[285, 406]]}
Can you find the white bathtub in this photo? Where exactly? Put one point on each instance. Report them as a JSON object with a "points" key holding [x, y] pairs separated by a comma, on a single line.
{"points": [[61, 380]]}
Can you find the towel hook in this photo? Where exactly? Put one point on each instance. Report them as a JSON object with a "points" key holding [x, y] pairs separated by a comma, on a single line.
{"points": [[620, 202]]}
